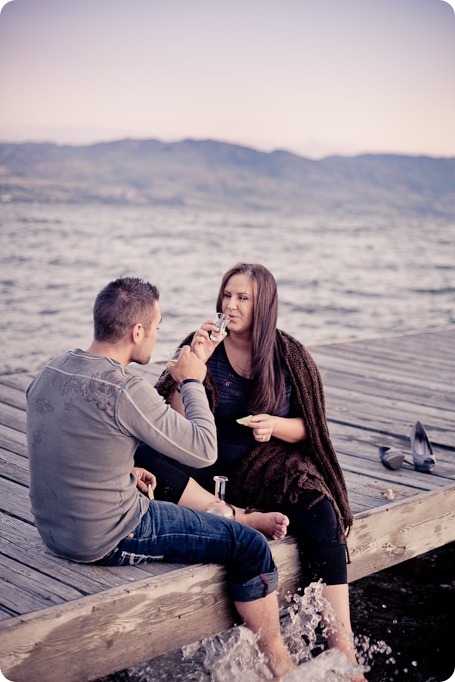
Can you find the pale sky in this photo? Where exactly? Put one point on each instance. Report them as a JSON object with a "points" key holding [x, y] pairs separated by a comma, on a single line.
{"points": [[315, 77]]}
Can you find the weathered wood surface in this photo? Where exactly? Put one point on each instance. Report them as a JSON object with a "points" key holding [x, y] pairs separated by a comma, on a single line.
{"points": [[61, 621]]}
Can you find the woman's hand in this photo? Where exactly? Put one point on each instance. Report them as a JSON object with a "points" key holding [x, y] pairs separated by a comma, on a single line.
{"points": [[202, 345], [143, 479], [289, 429], [262, 425]]}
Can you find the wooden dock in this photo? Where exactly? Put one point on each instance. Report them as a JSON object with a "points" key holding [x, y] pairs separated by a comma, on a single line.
{"points": [[69, 622]]}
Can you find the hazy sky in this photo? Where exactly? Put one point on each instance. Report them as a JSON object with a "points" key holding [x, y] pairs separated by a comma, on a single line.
{"points": [[316, 77]]}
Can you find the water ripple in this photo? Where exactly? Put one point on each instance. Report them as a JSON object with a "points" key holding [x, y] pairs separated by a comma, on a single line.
{"points": [[338, 277]]}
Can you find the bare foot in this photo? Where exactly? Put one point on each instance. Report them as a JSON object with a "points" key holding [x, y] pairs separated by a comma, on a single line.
{"points": [[279, 662], [273, 524]]}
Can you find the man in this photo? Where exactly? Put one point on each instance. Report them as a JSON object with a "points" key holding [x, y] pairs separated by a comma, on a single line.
{"points": [[86, 414]]}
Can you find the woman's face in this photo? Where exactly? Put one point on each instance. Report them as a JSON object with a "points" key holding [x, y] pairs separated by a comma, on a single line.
{"points": [[238, 303]]}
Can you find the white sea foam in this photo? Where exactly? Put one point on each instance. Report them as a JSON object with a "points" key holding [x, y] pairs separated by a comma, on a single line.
{"points": [[235, 655]]}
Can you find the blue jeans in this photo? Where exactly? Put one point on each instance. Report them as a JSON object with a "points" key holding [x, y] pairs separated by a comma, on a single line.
{"points": [[180, 535]]}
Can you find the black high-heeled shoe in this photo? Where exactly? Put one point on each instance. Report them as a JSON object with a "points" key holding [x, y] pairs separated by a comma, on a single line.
{"points": [[392, 458], [422, 452]]}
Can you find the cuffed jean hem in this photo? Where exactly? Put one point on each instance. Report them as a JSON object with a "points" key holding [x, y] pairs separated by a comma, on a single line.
{"points": [[253, 589]]}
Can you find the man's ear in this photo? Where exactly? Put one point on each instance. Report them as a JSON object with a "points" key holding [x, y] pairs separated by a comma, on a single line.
{"points": [[137, 332]]}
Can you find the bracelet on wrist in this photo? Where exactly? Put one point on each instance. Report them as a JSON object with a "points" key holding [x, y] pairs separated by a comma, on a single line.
{"points": [[187, 381]]}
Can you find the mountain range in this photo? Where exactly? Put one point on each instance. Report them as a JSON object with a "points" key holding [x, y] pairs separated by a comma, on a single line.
{"points": [[209, 173]]}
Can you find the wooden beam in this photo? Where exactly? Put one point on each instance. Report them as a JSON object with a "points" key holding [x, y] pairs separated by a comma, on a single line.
{"points": [[400, 531], [100, 634]]}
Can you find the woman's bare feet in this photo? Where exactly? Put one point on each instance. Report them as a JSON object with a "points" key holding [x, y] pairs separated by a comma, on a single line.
{"points": [[273, 524]]}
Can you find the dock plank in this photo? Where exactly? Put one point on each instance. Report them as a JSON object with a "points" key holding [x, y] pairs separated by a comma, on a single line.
{"points": [[20, 380], [82, 578], [26, 590], [13, 418], [13, 440], [14, 467], [365, 443], [15, 501], [12, 396]]}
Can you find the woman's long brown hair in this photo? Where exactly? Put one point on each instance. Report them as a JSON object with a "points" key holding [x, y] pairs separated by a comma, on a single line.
{"points": [[267, 370]]}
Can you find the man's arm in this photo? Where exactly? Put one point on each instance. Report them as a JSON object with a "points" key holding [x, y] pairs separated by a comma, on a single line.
{"points": [[189, 439]]}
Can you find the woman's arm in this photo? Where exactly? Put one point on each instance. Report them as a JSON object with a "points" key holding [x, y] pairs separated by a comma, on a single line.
{"points": [[176, 403], [202, 345], [289, 429]]}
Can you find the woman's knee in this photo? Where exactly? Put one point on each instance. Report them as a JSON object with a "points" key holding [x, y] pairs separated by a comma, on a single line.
{"points": [[322, 547], [313, 517]]}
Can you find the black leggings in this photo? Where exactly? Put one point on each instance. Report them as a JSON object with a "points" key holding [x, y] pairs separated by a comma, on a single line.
{"points": [[314, 524]]}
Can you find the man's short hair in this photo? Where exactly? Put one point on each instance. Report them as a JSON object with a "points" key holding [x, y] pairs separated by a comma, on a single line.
{"points": [[120, 305]]}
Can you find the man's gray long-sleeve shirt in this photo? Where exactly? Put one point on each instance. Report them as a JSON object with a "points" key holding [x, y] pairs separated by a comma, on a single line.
{"points": [[86, 415]]}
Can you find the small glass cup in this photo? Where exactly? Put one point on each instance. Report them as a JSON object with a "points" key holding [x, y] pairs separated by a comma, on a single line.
{"points": [[220, 507], [173, 356], [221, 322]]}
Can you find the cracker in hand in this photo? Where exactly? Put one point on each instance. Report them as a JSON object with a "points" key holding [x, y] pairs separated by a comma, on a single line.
{"points": [[244, 420]]}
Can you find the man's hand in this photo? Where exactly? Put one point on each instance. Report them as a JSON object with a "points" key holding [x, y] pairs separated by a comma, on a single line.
{"points": [[143, 479], [188, 366]]}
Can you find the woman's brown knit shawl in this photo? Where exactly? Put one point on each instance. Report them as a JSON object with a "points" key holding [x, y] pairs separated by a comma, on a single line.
{"points": [[276, 471]]}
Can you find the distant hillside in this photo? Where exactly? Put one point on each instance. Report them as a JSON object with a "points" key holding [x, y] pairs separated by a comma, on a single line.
{"points": [[215, 174]]}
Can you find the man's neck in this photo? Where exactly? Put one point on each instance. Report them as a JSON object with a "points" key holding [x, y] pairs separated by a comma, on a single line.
{"points": [[120, 352]]}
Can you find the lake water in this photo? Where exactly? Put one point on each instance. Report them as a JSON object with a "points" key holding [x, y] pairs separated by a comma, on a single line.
{"points": [[338, 276]]}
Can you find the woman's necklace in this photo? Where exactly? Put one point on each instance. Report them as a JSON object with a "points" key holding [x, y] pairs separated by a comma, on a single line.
{"points": [[239, 359]]}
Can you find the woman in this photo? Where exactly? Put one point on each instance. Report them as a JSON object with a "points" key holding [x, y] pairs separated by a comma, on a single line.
{"points": [[283, 457]]}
